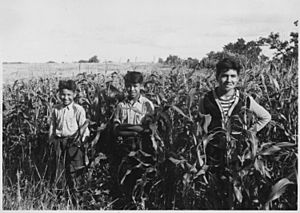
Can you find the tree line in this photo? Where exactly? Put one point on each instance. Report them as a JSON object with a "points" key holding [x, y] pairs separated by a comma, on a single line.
{"points": [[248, 53]]}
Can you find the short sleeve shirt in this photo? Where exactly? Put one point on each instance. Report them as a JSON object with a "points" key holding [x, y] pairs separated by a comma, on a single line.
{"points": [[68, 119], [133, 113]]}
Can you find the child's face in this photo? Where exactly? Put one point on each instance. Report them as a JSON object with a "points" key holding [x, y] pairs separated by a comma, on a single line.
{"points": [[114, 75], [66, 96], [133, 89], [228, 80]]}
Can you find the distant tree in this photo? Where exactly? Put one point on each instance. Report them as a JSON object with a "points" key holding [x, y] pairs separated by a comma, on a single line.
{"points": [[160, 60], [14, 62], [173, 60], [249, 50], [93, 59], [82, 61], [246, 53], [51, 62], [192, 63], [212, 59], [286, 52]]}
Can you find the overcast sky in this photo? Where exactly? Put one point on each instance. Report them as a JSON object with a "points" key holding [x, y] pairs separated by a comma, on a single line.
{"points": [[142, 30]]}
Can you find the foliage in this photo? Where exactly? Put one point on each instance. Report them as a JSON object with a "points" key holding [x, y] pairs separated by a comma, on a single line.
{"points": [[168, 167], [250, 50], [286, 52], [212, 59], [93, 59], [247, 53], [160, 60], [191, 63], [173, 60]]}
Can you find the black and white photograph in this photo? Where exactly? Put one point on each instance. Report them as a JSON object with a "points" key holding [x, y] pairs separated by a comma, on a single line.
{"points": [[149, 105]]}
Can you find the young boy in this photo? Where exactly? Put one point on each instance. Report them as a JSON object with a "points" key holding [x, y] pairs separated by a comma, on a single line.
{"points": [[130, 112], [227, 105], [67, 118], [226, 102], [127, 125], [226, 96]]}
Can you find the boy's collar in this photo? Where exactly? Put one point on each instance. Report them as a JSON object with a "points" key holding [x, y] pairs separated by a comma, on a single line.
{"points": [[70, 106], [236, 92], [138, 100]]}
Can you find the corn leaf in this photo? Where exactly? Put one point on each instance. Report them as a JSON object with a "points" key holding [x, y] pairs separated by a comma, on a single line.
{"points": [[271, 150], [238, 193], [278, 189], [180, 112]]}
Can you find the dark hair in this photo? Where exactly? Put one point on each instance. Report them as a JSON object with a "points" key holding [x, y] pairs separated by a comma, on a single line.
{"points": [[227, 64], [133, 77], [69, 84]]}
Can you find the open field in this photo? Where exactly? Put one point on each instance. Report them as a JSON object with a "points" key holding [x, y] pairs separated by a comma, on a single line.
{"points": [[12, 72], [178, 177]]}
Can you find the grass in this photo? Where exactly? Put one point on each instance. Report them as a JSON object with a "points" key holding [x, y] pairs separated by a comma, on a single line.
{"points": [[178, 177], [12, 72]]}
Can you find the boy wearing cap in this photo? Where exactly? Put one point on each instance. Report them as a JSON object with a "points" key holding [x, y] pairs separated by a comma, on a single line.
{"points": [[67, 120], [127, 127], [129, 113]]}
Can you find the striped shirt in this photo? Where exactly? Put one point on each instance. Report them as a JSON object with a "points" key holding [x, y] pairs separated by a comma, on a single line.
{"points": [[226, 104], [262, 115]]}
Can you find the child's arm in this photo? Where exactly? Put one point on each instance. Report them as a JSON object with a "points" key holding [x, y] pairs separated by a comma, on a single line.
{"points": [[127, 129], [262, 114], [120, 129]]}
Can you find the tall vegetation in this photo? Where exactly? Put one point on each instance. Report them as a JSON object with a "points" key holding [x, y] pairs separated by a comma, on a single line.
{"points": [[170, 159]]}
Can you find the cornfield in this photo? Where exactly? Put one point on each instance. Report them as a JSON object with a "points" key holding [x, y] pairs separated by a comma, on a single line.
{"points": [[175, 176]]}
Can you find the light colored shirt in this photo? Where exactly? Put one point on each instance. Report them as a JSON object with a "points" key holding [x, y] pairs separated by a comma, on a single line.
{"points": [[133, 113], [66, 120]]}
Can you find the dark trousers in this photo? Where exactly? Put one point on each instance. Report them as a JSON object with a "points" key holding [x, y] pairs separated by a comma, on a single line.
{"points": [[69, 164], [224, 165], [119, 163]]}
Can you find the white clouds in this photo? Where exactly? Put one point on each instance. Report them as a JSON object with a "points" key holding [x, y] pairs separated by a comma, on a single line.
{"points": [[69, 30]]}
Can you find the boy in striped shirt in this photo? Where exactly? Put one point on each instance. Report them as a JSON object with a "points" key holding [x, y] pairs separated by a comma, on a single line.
{"points": [[225, 103], [227, 106]]}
